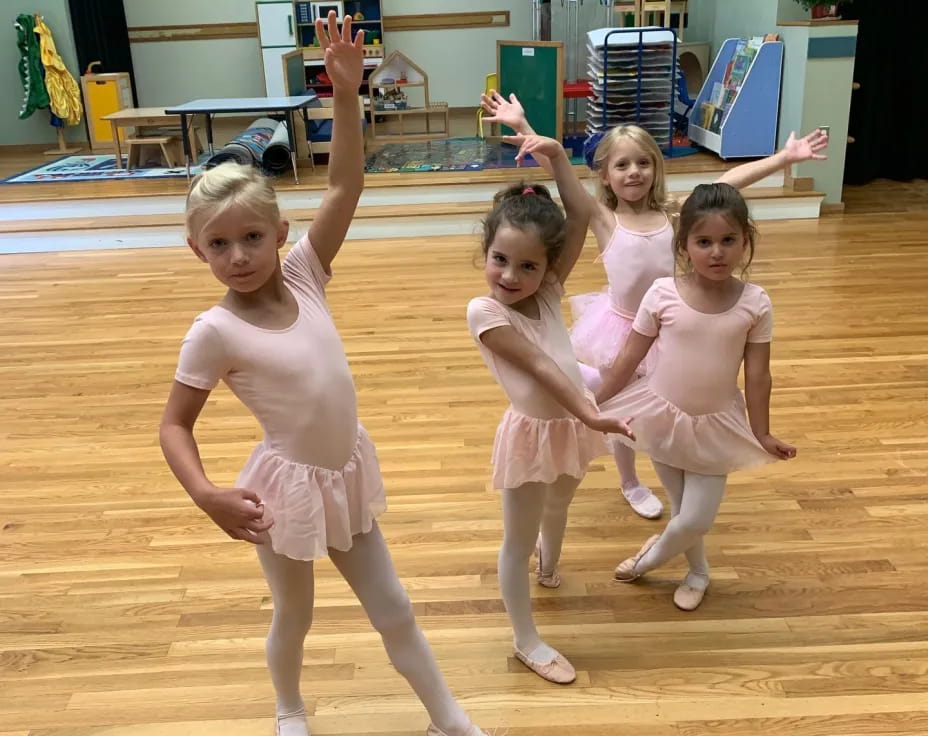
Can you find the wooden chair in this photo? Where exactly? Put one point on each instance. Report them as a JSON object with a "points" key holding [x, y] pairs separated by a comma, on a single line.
{"points": [[660, 11], [623, 9]]}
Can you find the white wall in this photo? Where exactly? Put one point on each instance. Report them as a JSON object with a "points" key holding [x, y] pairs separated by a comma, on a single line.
{"points": [[172, 72], [792, 91], [34, 129], [823, 98], [700, 23], [741, 19], [185, 12], [790, 10], [457, 61], [716, 20]]}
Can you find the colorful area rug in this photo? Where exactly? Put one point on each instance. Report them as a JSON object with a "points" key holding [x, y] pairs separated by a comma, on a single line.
{"points": [[447, 154], [92, 168], [458, 154]]}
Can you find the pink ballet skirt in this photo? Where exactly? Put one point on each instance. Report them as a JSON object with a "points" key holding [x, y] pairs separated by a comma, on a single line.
{"points": [[708, 444], [315, 508], [599, 332], [528, 449]]}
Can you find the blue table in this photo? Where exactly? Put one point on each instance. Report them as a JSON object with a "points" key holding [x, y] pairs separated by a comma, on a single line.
{"points": [[209, 107]]}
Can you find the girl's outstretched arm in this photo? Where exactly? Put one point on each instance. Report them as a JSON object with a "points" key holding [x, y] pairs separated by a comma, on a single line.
{"points": [[344, 63], [795, 151], [616, 376], [573, 195], [510, 112], [508, 344], [757, 385]]}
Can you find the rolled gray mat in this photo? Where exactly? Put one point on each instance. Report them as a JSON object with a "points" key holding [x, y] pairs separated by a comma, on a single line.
{"points": [[276, 157], [247, 147]]}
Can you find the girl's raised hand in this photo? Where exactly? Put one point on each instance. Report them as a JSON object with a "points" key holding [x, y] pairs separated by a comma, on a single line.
{"points": [[508, 112], [344, 58], [530, 144], [798, 150]]}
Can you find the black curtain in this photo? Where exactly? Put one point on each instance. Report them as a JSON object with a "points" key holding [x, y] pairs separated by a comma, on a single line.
{"points": [[889, 109], [101, 34]]}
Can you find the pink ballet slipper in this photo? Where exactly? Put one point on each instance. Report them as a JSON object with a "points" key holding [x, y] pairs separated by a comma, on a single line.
{"points": [[687, 598], [296, 715], [625, 571], [643, 501], [548, 580], [558, 670]]}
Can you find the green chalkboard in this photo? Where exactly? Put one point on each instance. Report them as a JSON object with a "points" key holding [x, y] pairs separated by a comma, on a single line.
{"points": [[534, 70], [295, 70]]}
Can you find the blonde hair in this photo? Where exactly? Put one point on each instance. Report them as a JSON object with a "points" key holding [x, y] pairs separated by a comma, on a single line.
{"points": [[230, 183], [657, 197]]}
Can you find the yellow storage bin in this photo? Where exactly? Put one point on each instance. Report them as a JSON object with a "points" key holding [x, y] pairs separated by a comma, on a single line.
{"points": [[104, 94]]}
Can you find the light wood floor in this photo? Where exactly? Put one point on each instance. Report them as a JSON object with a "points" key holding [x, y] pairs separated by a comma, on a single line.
{"points": [[123, 612]]}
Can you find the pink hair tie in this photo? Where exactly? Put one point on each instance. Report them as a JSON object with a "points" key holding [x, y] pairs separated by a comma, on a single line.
{"points": [[528, 190]]}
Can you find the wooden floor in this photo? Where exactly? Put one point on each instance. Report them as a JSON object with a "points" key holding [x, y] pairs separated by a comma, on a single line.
{"points": [[123, 612]]}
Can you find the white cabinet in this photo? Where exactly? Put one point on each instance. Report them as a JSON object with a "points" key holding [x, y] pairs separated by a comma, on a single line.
{"points": [[276, 24], [277, 34], [274, 71]]}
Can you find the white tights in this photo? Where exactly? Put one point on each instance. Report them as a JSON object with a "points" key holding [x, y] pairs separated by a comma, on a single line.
{"points": [[368, 569], [527, 509], [694, 504]]}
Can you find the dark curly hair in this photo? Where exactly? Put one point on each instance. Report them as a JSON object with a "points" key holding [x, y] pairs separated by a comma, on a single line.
{"points": [[525, 206]]}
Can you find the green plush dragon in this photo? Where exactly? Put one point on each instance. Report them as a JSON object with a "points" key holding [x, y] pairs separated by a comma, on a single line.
{"points": [[30, 67]]}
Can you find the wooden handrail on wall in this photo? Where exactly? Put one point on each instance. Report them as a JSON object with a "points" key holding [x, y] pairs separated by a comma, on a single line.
{"points": [[435, 21], [193, 32], [422, 22]]}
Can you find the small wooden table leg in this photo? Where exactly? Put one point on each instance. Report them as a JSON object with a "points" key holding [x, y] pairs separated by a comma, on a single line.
{"points": [[116, 141], [168, 159]]}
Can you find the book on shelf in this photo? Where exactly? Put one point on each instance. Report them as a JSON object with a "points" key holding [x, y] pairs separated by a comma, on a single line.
{"points": [[710, 117], [724, 93], [705, 114]]}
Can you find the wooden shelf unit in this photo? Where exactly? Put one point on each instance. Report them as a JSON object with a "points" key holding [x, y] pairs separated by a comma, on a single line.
{"points": [[398, 72]]}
